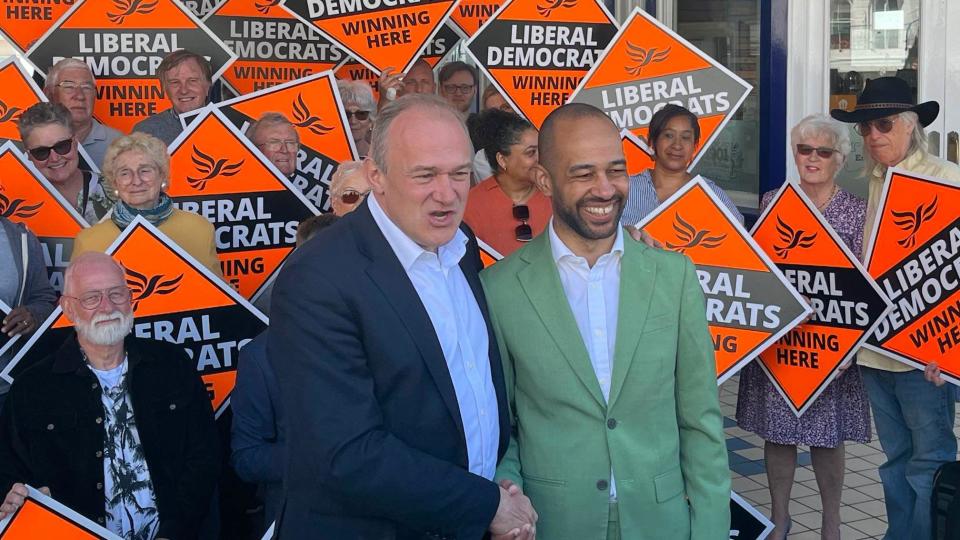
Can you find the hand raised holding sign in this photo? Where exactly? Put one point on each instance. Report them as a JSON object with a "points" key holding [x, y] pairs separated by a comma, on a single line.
{"points": [[390, 83]]}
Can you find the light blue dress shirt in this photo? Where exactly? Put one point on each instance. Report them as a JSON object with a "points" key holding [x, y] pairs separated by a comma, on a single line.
{"points": [[642, 199], [461, 331], [594, 298]]}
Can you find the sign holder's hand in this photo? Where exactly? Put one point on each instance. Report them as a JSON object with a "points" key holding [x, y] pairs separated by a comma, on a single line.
{"points": [[641, 235], [19, 321], [932, 374], [16, 497], [390, 83]]}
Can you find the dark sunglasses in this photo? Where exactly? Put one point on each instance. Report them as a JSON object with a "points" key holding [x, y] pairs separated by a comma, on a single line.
{"points": [[883, 125], [822, 151], [359, 115], [352, 196], [521, 213], [62, 148]]}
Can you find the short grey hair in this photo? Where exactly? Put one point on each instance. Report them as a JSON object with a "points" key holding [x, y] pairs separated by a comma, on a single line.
{"points": [[918, 141], [144, 143], [43, 114], [268, 119], [85, 259], [53, 76], [357, 92], [380, 137], [817, 125], [344, 170]]}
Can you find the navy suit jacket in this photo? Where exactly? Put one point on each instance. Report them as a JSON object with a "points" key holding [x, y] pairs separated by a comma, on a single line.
{"points": [[375, 443]]}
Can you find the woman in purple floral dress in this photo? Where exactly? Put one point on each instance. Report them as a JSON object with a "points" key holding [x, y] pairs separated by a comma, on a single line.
{"points": [[841, 413]]}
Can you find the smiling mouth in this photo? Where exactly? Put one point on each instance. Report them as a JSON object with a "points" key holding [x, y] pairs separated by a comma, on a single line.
{"points": [[600, 211]]}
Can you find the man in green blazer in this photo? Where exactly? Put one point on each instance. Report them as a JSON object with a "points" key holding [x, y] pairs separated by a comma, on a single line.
{"points": [[609, 366]]}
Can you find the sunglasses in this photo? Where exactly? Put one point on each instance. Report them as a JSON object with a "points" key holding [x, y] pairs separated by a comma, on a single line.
{"points": [[352, 196], [521, 213], [359, 115], [883, 125], [822, 151], [42, 153]]}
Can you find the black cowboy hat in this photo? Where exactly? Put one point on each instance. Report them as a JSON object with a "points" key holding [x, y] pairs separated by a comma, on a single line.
{"points": [[886, 96]]}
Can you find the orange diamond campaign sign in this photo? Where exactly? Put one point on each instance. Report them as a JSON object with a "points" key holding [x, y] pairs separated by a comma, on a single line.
{"points": [[847, 303], [354, 70], [537, 51], [41, 516], [29, 198], [23, 22], [638, 154], [750, 303], [914, 254], [123, 42], [442, 42], [178, 300], [18, 93], [379, 33], [470, 15], [272, 46], [647, 66], [215, 171], [313, 105], [488, 255]]}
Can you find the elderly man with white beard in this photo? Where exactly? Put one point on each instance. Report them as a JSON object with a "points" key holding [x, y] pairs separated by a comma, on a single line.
{"points": [[118, 428]]}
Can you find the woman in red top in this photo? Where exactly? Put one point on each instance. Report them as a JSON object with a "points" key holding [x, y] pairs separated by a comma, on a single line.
{"points": [[506, 210]]}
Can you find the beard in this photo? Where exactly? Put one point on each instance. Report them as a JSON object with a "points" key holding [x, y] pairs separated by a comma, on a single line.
{"points": [[570, 216], [100, 332]]}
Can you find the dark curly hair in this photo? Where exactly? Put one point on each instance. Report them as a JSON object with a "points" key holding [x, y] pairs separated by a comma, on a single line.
{"points": [[495, 131]]}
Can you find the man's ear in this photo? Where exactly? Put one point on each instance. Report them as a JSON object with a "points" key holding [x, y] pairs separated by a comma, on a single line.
{"points": [[67, 308], [374, 175], [542, 179]]}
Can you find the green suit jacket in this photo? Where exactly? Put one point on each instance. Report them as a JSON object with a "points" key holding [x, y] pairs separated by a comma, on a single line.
{"points": [[661, 432]]}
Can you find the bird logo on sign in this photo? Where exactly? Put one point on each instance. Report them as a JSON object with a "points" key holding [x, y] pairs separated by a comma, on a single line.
{"points": [[17, 208], [547, 8], [911, 222], [791, 239], [301, 113], [644, 57], [263, 6], [142, 287], [129, 7], [210, 168], [9, 113], [690, 237]]}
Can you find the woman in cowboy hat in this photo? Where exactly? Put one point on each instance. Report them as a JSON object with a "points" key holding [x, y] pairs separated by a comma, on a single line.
{"points": [[914, 418]]}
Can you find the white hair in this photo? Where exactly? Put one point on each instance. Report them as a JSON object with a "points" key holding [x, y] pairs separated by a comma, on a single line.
{"points": [[817, 125], [344, 171], [918, 141], [53, 77]]}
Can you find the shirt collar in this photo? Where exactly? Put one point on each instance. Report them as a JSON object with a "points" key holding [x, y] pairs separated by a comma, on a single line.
{"points": [[97, 132], [561, 251], [409, 251]]}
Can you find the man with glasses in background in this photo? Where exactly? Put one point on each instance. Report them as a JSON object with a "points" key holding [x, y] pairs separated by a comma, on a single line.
{"points": [[914, 417], [117, 428], [279, 141], [71, 84], [458, 85]]}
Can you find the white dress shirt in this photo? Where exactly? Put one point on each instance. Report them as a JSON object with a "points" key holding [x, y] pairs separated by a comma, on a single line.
{"points": [[461, 331], [594, 298]]}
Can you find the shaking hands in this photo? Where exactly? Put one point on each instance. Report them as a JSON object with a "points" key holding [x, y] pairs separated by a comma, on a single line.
{"points": [[515, 519]]}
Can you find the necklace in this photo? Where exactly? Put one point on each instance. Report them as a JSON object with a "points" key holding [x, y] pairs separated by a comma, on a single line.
{"points": [[827, 202]]}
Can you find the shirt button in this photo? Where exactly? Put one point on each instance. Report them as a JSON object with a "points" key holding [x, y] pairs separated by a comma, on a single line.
{"points": [[602, 485], [612, 423], [100, 520], [49, 427], [99, 486], [94, 386], [99, 454], [99, 420], [173, 406]]}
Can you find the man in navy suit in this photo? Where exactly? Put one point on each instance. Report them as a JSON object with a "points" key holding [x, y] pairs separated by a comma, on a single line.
{"points": [[391, 380]]}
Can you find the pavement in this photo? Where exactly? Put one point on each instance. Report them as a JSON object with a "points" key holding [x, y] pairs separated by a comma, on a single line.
{"points": [[862, 509]]}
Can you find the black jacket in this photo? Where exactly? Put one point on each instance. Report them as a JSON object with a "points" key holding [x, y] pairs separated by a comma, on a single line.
{"points": [[52, 433], [379, 450]]}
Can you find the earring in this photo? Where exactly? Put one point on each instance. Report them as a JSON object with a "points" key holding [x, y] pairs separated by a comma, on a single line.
{"points": [[163, 185], [116, 194]]}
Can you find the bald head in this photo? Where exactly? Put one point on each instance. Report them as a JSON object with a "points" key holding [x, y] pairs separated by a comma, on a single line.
{"points": [[557, 125], [91, 263]]}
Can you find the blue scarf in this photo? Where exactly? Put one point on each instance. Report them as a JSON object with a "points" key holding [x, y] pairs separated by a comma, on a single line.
{"points": [[123, 213]]}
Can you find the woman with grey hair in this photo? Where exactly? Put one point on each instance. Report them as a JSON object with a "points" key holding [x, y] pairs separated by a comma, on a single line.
{"points": [[136, 168], [841, 413], [348, 187], [357, 98], [48, 136]]}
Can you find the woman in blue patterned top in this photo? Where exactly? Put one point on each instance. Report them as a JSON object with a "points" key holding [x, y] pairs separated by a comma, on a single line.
{"points": [[674, 134]]}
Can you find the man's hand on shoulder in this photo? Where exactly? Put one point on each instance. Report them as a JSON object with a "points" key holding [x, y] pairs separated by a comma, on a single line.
{"points": [[641, 235], [515, 518]]}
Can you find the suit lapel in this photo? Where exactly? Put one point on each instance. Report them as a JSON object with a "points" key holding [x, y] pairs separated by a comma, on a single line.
{"points": [[540, 281], [637, 277], [389, 276]]}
